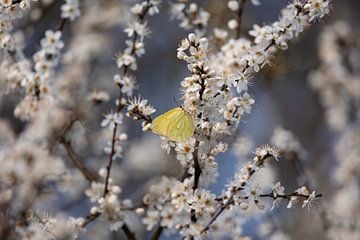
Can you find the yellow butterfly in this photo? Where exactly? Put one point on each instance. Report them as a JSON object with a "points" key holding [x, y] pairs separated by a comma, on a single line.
{"points": [[176, 124]]}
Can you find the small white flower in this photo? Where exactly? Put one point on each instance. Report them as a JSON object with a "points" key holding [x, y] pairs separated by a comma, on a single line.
{"points": [[308, 202], [111, 119], [233, 5], [277, 189], [52, 40], [70, 9], [233, 24], [126, 60], [126, 83], [220, 33]]}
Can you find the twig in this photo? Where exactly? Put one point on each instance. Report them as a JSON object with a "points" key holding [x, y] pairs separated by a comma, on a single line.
{"points": [[89, 218], [76, 160], [157, 233], [61, 24], [234, 190], [239, 16], [286, 196], [129, 234]]}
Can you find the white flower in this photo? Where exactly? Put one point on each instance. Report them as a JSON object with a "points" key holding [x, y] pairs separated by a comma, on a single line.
{"points": [[241, 81], [70, 9], [185, 150], [6, 3], [137, 9], [267, 150], [138, 104], [126, 83], [167, 217], [137, 48], [255, 2], [233, 24], [111, 119], [193, 231], [317, 8], [140, 29], [260, 33], [277, 189], [309, 201], [52, 40], [233, 5], [126, 60], [95, 191], [151, 219], [99, 96], [220, 33], [154, 9]]}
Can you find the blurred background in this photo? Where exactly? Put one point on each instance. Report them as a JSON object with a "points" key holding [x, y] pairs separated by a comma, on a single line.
{"points": [[283, 94]]}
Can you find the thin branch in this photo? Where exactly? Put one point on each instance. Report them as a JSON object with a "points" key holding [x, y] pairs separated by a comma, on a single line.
{"points": [[231, 198], [61, 24], [89, 175], [286, 196], [129, 234], [90, 218], [239, 17], [157, 233]]}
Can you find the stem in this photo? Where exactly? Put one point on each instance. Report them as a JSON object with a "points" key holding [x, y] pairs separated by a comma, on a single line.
{"points": [[287, 196], [239, 16], [129, 234], [111, 158], [89, 175], [61, 24], [157, 233]]}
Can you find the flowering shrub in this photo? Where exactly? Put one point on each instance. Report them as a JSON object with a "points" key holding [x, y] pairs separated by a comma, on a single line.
{"points": [[67, 174]]}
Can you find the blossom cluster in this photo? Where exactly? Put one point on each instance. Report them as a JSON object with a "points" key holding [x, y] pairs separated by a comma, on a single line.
{"points": [[190, 15], [337, 82], [55, 152]]}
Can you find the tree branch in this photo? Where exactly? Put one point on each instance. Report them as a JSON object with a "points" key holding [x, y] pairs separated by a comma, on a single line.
{"points": [[197, 169], [239, 17], [89, 175]]}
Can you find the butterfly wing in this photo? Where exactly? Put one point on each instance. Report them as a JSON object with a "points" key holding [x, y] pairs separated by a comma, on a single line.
{"points": [[189, 126], [160, 125], [176, 124]]}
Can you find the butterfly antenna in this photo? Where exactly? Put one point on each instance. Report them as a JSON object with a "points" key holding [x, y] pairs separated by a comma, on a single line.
{"points": [[177, 103]]}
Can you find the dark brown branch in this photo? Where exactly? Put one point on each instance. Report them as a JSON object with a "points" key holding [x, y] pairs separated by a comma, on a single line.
{"points": [[239, 17], [157, 233], [287, 196], [111, 157], [89, 175], [90, 218], [61, 24], [129, 234], [197, 168]]}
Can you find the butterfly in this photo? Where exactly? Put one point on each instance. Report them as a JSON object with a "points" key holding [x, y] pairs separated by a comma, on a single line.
{"points": [[176, 124]]}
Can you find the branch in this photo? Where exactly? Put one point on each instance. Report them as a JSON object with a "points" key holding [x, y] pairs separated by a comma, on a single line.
{"points": [[286, 196], [129, 234], [234, 190], [197, 168], [157, 233], [239, 16], [89, 175]]}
